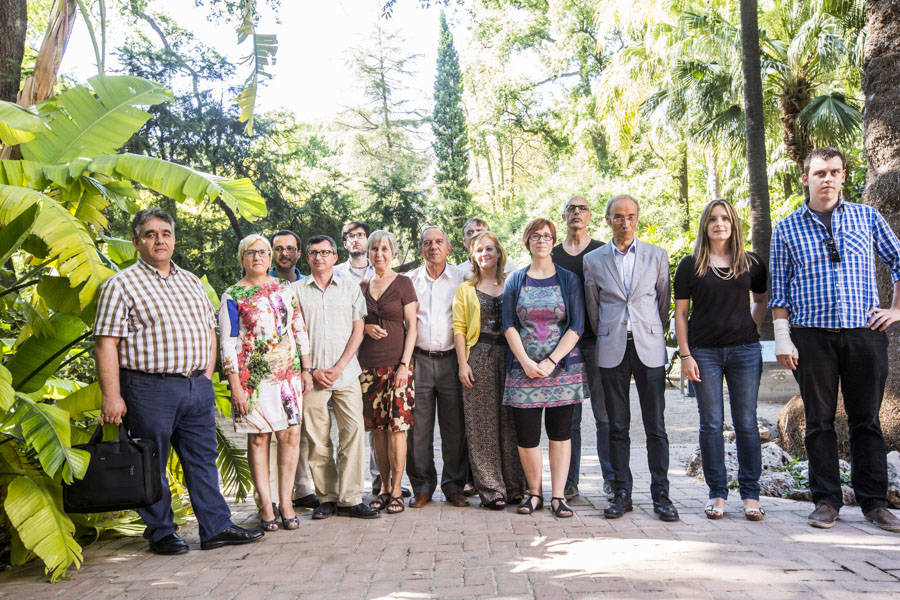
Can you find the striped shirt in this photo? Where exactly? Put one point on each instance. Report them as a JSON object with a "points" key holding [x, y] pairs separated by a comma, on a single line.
{"points": [[165, 323], [822, 293]]}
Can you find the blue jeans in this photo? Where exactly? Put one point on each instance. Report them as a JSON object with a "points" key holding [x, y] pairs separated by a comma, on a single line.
{"points": [[741, 367], [179, 411], [601, 420]]}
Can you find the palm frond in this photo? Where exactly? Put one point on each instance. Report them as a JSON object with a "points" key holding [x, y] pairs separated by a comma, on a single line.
{"points": [[45, 428], [232, 463]]}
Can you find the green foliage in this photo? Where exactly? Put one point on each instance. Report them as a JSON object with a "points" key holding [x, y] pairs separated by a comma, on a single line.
{"points": [[451, 142]]}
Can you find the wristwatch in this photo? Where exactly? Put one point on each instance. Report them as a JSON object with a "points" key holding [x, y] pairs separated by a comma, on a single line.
{"points": [[308, 370]]}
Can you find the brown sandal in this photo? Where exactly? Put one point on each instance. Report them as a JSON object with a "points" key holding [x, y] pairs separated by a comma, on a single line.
{"points": [[380, 501]]}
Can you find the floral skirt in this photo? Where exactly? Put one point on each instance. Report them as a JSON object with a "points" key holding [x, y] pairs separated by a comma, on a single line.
{"points": [[277, 405], [385, 406]]}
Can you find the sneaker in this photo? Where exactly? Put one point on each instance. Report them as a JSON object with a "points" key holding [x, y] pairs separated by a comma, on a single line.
{"points": [[823, 517], [882, 517]]}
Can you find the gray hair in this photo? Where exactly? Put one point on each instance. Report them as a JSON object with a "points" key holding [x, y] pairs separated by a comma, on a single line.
{"points": [[249, 241], [380, 235], [615, 199], [425, 230], [569, 201], [142, 216]]}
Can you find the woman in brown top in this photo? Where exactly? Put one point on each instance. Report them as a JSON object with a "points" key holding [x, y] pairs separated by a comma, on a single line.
{"points": [[384, 355]]}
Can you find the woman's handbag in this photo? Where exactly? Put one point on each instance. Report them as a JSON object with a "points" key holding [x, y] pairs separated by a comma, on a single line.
{"points": [[123, 474]]}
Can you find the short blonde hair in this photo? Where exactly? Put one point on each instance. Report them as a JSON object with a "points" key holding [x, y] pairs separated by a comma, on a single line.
{"points": [[249, 241], [378, 236], [475, 277], [535, 224]]}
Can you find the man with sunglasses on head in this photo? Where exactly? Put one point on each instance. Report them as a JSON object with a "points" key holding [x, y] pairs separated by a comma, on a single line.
{"points": [[829, 329]]}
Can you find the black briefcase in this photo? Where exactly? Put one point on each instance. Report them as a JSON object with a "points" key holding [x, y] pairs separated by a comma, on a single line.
{"points": [[124, 474]]}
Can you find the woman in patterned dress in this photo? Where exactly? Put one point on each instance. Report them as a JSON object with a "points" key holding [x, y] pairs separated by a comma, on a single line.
{"points": [[264, 350], [481, 353], [387, 377], [543, 317]]}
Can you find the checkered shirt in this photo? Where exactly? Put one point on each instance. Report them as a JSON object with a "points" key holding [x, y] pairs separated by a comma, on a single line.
{"points": [[822, 293]]}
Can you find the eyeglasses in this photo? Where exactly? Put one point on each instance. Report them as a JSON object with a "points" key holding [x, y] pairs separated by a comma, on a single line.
{"points": [[576, 208], [833, 254], [254, 253], [322, 253], [355, 236], [619, 219], [285, 249], [538, 237]]}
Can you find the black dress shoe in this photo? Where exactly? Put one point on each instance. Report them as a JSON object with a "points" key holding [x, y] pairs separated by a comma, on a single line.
{"points": [[232, 536], [619, 505], [325, 510], [664, 508], [308, 501], [360, 511], [171, 544]]}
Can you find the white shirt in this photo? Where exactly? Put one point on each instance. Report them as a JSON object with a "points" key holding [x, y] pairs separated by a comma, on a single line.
{"points": [[344, 270], [625, 264], [434, 318], [466, 268]]}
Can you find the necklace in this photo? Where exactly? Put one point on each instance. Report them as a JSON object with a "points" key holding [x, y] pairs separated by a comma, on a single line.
{"points": [[723, 273]]}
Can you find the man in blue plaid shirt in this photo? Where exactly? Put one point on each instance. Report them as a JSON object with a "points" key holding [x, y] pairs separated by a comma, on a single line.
{"points": [[829, 329]]}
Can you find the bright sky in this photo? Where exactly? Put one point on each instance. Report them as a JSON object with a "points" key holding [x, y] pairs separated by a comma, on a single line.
{"points": [[312, 75]]}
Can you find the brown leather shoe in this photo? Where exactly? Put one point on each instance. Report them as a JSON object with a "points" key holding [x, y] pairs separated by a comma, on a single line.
{"points": [[457, 499], [823, 517], [419, 500], [882, 517]]}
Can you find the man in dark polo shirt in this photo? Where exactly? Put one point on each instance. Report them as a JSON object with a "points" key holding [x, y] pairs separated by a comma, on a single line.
{"points": [[569, 254], [156, 349]]}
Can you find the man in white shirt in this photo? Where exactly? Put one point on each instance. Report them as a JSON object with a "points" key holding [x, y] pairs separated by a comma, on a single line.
{"points": [[473, 226], [355, 235], [437, 385]]}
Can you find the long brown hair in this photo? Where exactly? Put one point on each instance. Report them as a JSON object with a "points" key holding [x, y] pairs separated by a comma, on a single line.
{"points": [[739, 260], [475, 277]]}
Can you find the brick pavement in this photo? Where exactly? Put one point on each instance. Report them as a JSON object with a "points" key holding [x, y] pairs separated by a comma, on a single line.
{"points": [[445, 552]]}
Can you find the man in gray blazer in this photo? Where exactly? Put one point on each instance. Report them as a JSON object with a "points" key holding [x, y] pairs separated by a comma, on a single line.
{"points": [[626, 289]]}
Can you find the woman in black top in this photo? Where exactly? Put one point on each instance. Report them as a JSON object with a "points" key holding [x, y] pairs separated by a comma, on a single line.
{"points": [[720, 339]]}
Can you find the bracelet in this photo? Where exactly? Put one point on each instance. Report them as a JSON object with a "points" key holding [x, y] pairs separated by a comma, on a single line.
{"points": [[403, 364], [550, 358], [685, 356]]}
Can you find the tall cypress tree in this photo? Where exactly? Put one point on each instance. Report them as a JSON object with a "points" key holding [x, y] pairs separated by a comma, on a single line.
{"points": [[451, 141]]}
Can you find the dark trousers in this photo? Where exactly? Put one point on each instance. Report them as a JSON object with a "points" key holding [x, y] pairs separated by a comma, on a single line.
{"points": [[857, 359], [179, 411], [651, 386], [438, 390], [601, 420]]}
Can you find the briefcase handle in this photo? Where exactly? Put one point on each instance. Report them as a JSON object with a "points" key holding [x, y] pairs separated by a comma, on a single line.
{"points": [[123, 434]]}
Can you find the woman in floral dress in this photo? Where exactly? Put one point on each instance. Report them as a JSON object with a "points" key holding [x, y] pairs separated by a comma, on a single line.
{"points": [[543, 318], [265, 348]]}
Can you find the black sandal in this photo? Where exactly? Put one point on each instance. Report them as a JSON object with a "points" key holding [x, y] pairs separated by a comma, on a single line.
{"points": [[526, 507], [395, 505], [271, 525], [562, 510], [380, 501], [496, 504]]}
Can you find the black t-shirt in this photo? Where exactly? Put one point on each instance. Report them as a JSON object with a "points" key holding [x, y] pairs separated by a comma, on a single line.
{"points": [[576, 265], [720, 309]]}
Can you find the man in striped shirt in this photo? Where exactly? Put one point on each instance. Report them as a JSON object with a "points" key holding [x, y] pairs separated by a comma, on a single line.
{"points": [[156, 347], [829, 329]]}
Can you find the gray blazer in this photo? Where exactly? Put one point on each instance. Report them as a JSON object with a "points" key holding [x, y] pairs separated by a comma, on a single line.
{"points": [[648, 304]]}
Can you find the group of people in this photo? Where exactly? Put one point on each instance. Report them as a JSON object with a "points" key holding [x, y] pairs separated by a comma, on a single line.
{"points": [[486, 350]]}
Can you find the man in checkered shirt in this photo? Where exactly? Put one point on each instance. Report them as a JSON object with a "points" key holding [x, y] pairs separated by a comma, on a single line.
{"points": [[156, 349], [829, 329]]}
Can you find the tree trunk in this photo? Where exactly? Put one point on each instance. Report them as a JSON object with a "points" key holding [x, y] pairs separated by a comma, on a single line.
{"points": [[792, 101], [13, 15], [39, 85], [760, 220], [881, 141], [683, 191], [787, 186], [713, 186], [235, 224]]}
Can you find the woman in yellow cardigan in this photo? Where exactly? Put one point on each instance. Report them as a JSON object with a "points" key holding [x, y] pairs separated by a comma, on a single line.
{"points": [[481, 353]]}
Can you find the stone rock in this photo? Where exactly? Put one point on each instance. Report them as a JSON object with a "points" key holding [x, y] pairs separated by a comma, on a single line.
{"points": [[693, 465], [849, 495], [893, 469], [774, 457], [802, 494], [777, 484], [792, 426]]}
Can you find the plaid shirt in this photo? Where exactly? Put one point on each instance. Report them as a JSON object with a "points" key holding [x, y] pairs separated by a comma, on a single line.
{"points": [[822, 293], [165, 324]]}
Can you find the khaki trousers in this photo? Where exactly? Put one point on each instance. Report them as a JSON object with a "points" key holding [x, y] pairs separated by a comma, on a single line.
{"points": [[340, 481]]}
